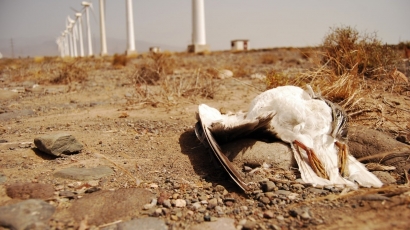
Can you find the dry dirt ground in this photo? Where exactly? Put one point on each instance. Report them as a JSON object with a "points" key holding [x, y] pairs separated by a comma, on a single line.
{"points": [[148, 144]]}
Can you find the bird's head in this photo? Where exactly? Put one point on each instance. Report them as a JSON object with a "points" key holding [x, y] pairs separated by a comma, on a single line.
{"points": [[339, 121]]}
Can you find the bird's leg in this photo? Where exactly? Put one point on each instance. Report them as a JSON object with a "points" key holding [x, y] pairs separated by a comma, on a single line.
{"points": [[342, 159], [314, 162]]}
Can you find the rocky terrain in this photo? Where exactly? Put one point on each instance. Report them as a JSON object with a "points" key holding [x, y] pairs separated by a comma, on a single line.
{"points": [[103, 149]]}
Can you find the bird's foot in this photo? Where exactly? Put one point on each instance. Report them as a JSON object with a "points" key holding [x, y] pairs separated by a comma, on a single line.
{"points": [[342, 159], [314, 161]]}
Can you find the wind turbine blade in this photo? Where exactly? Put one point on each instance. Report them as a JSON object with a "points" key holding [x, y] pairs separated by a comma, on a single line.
{"points": [[75, 10]]}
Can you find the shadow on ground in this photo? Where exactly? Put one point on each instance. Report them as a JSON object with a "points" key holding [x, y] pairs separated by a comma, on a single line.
{"points": [[203, 162]]}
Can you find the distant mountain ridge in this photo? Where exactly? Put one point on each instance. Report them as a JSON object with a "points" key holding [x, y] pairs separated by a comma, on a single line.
{"points": [[40, 46]]}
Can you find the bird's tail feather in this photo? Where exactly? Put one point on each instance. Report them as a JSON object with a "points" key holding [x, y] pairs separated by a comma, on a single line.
{"points": [[360, 174]]}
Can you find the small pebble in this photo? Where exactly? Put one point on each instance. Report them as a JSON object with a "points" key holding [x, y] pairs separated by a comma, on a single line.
{"points": [[268, 214], [180, 203]]}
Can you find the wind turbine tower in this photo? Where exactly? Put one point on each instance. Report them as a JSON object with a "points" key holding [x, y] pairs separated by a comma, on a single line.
{"points": [[130, 30], [102, 28], [80, 32], [87, 15], [198, 28]]}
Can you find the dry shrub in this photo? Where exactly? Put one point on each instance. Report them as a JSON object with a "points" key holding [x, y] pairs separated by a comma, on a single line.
{"points": [[68, 73], [274, 79], [119, 60], [348, 51], [201, 84], [153, 67], [269, 58]]}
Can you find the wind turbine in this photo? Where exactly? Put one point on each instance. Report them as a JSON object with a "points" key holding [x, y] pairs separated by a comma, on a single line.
{"points": [[102, 28], [73, 35], [198, 28], [130, 29], [70, 36], [80, 32], [87, 15]]}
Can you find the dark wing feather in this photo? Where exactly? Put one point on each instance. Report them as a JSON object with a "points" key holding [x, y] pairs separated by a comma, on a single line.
{"points": [[223, 160], [207, 137]]}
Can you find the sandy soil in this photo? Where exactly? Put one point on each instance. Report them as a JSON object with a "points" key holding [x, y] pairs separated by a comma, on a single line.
{"points": [[147, 141]]}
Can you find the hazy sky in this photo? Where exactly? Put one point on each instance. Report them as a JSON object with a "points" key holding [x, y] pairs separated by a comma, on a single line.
{"points": [[266, 23]]}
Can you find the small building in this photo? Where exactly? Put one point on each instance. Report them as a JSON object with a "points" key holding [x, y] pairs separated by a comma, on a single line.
{"points": [[239, 44], [154, 49]]}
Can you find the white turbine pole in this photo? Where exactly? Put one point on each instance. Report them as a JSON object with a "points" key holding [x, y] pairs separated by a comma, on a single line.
{"points": [[102, 29], [198, 27], [130, 29], [80, 30], [198, 22], [73, 35], [87, 15], [70, 38]]}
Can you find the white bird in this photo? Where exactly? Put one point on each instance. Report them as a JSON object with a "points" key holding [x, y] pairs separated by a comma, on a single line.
{"points": [[315, 128]]}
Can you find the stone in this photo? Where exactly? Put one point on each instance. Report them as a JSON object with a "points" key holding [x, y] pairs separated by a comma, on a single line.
{"points": [[224, 73], [212, 203], [254, 152], [28, 214], [180, 203], [221, 223], [365, 142], [167, 203], [249, 225], [140, 223], [58, 144], [385, 177], [264, 200], [8, 95], [268, 186], [108, 206], [196, 205], [30, 191], [84, 174], [268, 214], [3, 178], [303, 212]]}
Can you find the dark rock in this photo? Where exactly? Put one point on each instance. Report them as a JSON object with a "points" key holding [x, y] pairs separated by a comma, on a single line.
{"points": [[84, 174], [57, 144], [28, 214], [30, 191]]}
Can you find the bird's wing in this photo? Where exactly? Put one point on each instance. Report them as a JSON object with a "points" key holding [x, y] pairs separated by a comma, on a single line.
{"points": [[213, 126], [210, 142]]}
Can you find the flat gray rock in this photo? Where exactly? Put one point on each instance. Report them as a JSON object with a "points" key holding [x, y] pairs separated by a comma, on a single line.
{"points": [[151, 223], [105, 206], [3, 178], [57, 144], [84, 174], [28, 214], [254, 152], [221, 223], [7, 95]]}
